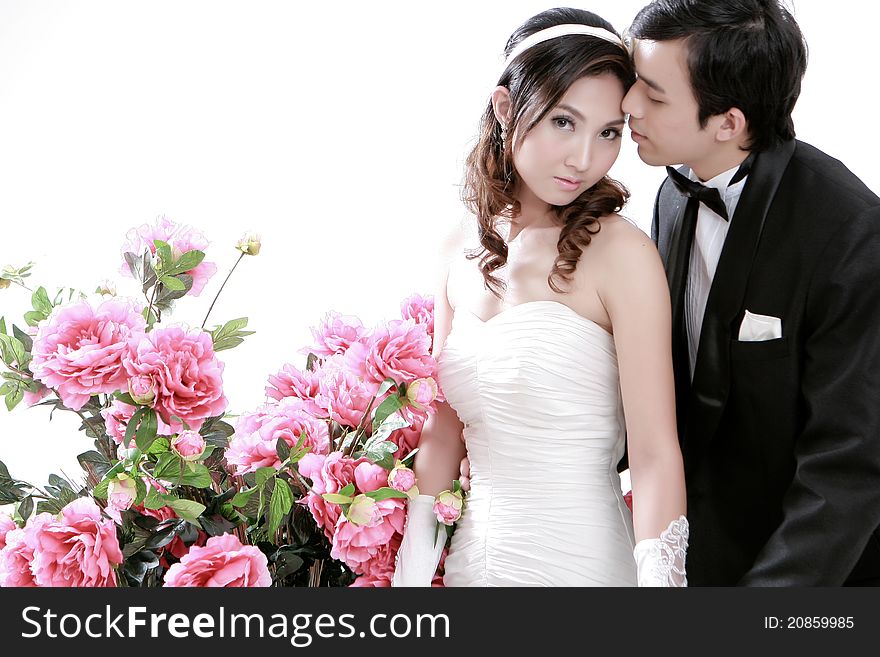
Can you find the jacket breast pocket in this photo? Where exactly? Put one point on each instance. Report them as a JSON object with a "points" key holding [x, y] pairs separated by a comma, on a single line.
{"points": [[761, 350]]}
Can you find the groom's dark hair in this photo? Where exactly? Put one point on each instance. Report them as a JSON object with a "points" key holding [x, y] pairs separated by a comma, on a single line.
{"points": [[748, 54]]}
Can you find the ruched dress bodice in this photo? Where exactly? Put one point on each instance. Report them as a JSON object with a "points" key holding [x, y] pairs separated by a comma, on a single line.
{"points": [[537, 389]]}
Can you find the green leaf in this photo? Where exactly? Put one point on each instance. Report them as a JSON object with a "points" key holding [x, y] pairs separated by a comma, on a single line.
{"points": [[336, 498], [265, 474], [385, 494], [386, 408], [391, 424], [58, 482], [282, 449], [409, 457], [187, 509], [141, 490], [243, 497], [159, 446], [33, 317], [163, 250], [26, 340], [131, 427], [100, 491], [154, 499], [3, 325], [146, 431], [13, 398], [134, 264], [172, 283], [6, 387], [171, 467], [25, 508], [348, 490], [187, 262], [382, 454], [40, 301], [94, 461], [387, 384], [280, 504]]}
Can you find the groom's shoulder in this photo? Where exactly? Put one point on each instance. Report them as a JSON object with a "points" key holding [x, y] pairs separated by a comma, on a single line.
{"points": [[819, 174]]}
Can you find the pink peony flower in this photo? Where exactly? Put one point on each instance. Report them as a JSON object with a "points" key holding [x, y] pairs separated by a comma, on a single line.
{"points": [[421, 393], [31, 398], [448, 506], [187, 374], [401, 478], [79, 549], [17, 555], [7, 524], [335, 334], [142, 389], [222, 562], [407, 438], [369, 476], [363, 511], [400, 350], [373, 581], [181, 238], [421, 310], [329, 474], [369, 548], [302, 384], [116, 419], [256, 434], [345, 396], [121, 493], [189, 445], [78, 350]]}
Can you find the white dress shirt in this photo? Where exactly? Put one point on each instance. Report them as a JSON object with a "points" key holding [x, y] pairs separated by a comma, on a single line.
{"points": [[706, 250]]}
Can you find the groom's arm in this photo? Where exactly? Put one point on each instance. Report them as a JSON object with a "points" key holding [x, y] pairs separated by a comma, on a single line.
{"points": [[833, 503]]}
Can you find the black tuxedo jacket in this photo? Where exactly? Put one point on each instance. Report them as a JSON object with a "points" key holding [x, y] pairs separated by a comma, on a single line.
{"points": [[781, 438]]}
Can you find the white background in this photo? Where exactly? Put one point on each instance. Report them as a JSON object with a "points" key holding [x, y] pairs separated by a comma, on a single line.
{"points": [[337, 132]]}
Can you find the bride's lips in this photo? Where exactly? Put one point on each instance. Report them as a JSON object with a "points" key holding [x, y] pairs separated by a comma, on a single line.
{"points": [[568, 184]]}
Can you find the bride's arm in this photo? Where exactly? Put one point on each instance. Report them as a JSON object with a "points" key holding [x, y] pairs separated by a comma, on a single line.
{"points": [[436, 466], [636, 296]]}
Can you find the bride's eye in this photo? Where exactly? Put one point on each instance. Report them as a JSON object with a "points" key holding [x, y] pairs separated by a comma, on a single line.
{"points": [[610, 134], [563, 122]]}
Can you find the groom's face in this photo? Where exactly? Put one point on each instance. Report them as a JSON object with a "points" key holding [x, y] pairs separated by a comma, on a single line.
{"points": [[664, 114]]}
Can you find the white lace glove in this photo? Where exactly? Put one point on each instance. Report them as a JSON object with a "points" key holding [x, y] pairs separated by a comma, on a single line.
{"points": [[419, 553], [661, 561]]}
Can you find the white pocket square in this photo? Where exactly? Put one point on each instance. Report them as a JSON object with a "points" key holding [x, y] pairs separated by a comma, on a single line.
{"points": [[758, 328]]}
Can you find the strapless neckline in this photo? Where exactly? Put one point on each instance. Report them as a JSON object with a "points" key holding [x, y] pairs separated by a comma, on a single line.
{"points": [[526, 305]]}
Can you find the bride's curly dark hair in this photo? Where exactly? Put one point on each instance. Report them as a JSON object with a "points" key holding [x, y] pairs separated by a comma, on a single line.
{"points": [[537, 80]]}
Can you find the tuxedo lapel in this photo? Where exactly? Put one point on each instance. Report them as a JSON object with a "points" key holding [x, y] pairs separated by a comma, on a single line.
{"points": [[711, 381], [673, 243]]}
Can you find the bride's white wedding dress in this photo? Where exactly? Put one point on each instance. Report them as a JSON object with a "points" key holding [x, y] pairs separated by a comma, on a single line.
{"points": [[538, 392]]}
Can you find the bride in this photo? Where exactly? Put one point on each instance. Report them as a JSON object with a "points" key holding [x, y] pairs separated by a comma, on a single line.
{"points": [[549, 330]]}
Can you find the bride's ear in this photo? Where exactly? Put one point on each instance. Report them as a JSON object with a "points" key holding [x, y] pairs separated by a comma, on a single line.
{"points": [[501, 105]]}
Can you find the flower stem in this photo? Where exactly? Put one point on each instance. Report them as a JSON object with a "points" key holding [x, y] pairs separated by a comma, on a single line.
{"points": [[221, 289]]}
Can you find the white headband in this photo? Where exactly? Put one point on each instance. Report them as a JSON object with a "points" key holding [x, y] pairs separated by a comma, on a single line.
{"points": [[558, 31]]}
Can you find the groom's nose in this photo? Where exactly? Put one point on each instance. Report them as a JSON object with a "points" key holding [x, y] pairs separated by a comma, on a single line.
{"points": [[632, 103]]}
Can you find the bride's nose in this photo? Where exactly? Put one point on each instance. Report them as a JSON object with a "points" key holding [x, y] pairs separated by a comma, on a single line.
{"points": [[580, 155]]}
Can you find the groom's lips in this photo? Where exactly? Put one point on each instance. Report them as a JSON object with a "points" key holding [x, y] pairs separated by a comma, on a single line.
{"points": [[636, 136]]}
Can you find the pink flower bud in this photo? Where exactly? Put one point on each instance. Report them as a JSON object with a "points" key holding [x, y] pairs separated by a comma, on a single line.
{"points": [[364, 511], [188, 444], [401, 478], [121, 493], [448, 506], [421, 392], [142, 389], [249, 244]]}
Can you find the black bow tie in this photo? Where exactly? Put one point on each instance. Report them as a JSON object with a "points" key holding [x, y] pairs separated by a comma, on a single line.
{"points": [[708, 196]]}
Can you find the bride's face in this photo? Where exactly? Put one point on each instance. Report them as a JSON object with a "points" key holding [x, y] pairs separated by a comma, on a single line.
{"points": [[575, 144]]}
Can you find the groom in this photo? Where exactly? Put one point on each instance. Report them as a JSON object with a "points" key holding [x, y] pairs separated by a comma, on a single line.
{"points": [[774, 269]]}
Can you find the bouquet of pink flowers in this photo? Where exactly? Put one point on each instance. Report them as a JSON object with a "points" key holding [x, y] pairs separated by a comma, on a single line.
{"points": [[307, 489]]}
